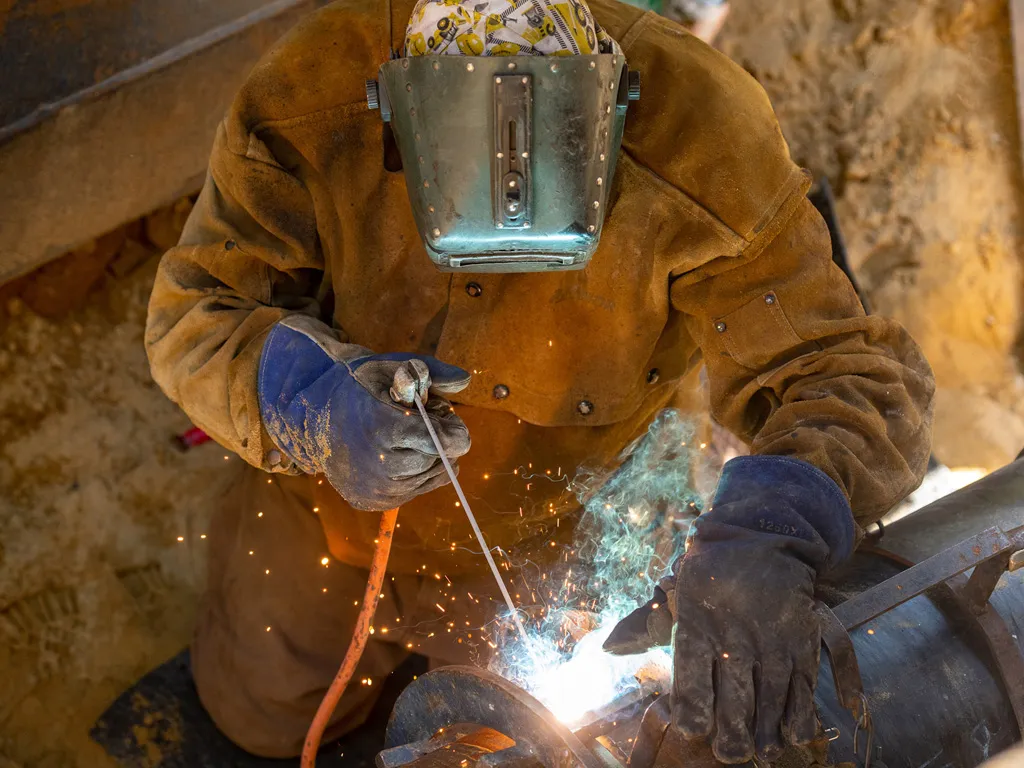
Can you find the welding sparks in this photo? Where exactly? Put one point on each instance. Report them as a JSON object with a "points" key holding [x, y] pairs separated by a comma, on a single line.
{"points": [[633, 527]]}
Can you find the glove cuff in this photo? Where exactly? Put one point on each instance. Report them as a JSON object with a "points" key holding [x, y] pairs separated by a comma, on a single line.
{"points": [[299, 357], [786, 496]]}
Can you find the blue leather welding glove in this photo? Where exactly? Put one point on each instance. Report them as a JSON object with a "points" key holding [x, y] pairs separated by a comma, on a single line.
{"points": [[747, 638], [329, 406]]}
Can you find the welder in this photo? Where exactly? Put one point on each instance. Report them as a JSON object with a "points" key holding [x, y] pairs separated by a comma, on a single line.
{"points": [[559, 276]]}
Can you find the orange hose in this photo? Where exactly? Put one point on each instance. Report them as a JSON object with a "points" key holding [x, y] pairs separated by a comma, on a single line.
{"points": [[360, 635]]}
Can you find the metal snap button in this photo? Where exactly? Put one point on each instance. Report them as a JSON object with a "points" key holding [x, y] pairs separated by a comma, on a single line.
{"points": [[653, 375], [274, 457], [474, 289], [720, 326], [585, 407], [500, 392], [769, 299]]}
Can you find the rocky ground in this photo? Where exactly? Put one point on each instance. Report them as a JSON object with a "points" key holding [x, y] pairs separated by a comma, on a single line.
{"points": [[907, 106]]}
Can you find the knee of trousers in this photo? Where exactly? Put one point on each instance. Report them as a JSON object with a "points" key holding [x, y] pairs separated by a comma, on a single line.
{"points": [[264, 703]]}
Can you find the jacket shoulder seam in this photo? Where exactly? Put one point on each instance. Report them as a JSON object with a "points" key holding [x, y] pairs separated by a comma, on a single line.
{"points": [[348, 108], [692, 206]]}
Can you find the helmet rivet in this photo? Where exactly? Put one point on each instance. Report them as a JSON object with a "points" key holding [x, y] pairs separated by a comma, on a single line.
{"points": [[408, 87], [437, 232], [600, 181], [497, 80], [436, 65], [525, 154], [525, 80], [592, 66], [427, 184], [430, 209], [597, 204], [591, 228], [602, 154], [501, 155], [554, 67], [470, 67], [511, 65]]}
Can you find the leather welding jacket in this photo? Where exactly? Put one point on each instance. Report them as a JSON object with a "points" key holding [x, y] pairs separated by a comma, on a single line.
{"points": [[710, 251]]}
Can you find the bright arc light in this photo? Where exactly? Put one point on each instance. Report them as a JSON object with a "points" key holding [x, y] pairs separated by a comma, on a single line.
{"points": [[590, 678]]}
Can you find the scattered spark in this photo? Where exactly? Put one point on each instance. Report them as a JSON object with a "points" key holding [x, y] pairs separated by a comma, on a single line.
{"points": [[259, 514], [267, 571], [181, 538], [268, 629], [325, 561], [871, 631], [626, 540], [202, 536]]}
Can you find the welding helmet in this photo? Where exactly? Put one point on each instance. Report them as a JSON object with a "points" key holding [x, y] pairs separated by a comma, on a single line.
{"points": [[509, 146]]}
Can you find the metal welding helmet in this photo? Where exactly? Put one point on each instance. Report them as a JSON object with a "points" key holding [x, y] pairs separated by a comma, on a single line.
{"points": [[508, 159]]}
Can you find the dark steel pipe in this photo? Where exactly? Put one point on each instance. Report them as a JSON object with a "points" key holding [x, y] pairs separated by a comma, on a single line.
{"points": [[994, 500], [935, 691]]}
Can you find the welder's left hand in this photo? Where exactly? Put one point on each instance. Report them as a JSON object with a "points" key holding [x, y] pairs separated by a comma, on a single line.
{"points": [[747, 638]]}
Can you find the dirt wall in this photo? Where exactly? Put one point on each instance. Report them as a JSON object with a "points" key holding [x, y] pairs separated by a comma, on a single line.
{"points": [[909, 109]]}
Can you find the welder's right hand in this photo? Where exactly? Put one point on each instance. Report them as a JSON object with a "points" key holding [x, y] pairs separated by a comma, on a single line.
{"points": [[329, 407]]}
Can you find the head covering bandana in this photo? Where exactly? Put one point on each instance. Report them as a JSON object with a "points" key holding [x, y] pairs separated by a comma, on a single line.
{"points": [[505, 28]]}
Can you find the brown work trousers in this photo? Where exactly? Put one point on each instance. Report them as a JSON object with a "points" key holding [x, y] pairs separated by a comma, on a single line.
{"points": [[278, 613]]}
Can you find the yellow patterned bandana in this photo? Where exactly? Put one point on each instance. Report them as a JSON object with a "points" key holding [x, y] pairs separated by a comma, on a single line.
{"points": [[505, 28]]}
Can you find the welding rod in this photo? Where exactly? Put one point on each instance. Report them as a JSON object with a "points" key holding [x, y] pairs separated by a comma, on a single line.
{"points": [[472, 519]]}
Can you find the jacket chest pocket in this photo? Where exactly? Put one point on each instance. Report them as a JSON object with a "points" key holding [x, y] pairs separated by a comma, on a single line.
{"points": [[555, 349]]}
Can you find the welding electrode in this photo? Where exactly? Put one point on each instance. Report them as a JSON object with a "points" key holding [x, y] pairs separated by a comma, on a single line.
{"points": [[406, 383], [472, 519]]}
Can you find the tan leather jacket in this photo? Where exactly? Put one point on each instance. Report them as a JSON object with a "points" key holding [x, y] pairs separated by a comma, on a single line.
{"points": [[710, 251]]}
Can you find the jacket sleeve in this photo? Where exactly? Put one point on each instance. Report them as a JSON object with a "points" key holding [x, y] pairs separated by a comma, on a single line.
{"points": [[249, 256], [796, 369]]}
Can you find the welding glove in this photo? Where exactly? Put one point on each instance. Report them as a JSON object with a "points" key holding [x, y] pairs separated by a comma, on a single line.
{"points": [[747, 638], [329, 407]]}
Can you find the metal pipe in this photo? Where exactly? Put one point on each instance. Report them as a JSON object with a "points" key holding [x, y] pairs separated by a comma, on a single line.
{"points": [[995, 500]]}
